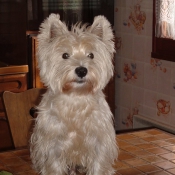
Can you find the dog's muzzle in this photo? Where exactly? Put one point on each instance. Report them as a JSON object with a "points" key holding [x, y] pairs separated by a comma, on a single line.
{"points": [[81, 71]]}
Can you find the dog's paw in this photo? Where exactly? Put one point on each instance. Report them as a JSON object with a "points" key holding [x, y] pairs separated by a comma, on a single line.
{"points": [[81, 170], [72, 172]]}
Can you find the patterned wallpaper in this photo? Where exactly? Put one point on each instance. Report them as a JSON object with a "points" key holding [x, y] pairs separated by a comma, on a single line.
{"points": [[144, 85]]}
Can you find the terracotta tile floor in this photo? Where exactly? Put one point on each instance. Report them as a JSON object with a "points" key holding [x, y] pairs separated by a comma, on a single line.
{"points": [[141, 152], [17, 162], [144, 152]]}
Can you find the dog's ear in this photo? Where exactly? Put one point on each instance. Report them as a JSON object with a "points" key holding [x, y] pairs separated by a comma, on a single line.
{"points": [[53, 27], [102, 28]]}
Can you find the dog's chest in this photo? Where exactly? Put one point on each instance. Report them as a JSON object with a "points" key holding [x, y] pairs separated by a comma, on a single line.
{"points": [[73, 109], [76, 115], [78, 119]]}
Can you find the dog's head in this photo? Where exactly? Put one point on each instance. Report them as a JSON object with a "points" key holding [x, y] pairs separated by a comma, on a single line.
{"points": [[76, 61]]}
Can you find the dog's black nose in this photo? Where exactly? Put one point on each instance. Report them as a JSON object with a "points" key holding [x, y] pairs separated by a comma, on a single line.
{"points": [[81, 71]]}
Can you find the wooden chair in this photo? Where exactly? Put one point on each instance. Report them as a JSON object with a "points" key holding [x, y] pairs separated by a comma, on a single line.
{"points": [[18, 108]]}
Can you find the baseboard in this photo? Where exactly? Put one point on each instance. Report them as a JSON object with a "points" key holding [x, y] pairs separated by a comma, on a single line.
{"points": [[140, 121]]}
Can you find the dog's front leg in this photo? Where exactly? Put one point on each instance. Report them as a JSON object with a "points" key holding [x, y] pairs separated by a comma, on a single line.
{"points": [[98, 169]]}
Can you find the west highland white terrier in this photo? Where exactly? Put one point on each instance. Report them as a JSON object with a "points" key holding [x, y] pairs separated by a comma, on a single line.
{"points": [[74, 128]]}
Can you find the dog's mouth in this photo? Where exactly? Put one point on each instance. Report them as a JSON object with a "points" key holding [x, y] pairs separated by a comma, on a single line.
{"points": [[80, 81], [81, 86]]}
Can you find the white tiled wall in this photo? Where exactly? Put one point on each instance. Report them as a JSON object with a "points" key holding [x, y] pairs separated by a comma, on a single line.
{"points": [[144, 85]]}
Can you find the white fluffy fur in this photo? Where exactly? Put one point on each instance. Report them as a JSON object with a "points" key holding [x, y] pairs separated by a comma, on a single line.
{"points": [[74, 127]]}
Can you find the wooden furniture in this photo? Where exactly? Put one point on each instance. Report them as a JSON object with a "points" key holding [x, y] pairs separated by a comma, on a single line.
{"points": [[17, 106], [34, 78], [35, 71], [110, 95], [12, 78]]}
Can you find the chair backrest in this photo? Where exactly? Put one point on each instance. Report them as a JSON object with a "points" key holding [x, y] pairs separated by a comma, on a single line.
{"points": [[17, 106]]}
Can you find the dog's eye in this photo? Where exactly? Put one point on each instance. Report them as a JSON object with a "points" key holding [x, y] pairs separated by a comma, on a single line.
{"points": [[91, 55], [65, 56]]}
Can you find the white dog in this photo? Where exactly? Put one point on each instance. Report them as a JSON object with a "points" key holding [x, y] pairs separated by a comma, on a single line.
{"points": [[74, 128]]}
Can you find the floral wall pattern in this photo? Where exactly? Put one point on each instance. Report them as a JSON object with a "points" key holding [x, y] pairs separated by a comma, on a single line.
{"points": [[144, 86]]}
